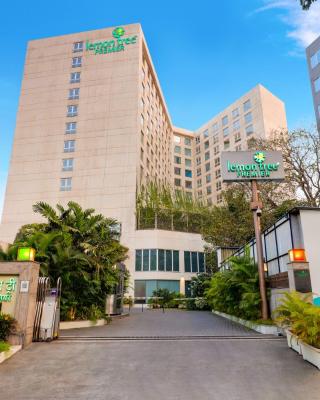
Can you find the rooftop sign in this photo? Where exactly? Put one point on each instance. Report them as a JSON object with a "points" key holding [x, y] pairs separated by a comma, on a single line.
{"points": [[111, 46], [252, 165]]}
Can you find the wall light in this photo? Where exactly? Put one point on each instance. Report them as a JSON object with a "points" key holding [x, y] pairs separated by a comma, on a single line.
{"points": [[296, 255], [26, 254]]}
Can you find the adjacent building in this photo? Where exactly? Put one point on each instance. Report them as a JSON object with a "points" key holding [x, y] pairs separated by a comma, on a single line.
{"points": [[93, 126], [313, 59]]}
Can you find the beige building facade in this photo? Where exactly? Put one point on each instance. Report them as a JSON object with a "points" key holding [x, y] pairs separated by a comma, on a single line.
{"points": [[93, 125]]}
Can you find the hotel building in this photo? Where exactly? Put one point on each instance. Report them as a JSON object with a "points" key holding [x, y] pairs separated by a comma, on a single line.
{"points": [[313, 59], [93, 126]]}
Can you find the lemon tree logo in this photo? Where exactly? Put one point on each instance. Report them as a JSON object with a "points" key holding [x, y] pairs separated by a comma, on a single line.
{"points": [[118, 32], [259, 157]]}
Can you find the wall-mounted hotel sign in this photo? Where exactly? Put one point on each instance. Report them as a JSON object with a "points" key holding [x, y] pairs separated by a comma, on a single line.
{"points": [[111, 46], [251, 165]]}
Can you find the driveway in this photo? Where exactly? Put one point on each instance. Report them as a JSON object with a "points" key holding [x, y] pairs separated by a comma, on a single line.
{"points": [[238, 367]]}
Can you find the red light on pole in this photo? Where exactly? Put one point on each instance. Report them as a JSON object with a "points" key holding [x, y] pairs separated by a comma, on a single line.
{"points": [[296, 255]]}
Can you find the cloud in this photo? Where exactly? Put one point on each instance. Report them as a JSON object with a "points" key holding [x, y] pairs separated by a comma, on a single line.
{"points": [[304, 26]]}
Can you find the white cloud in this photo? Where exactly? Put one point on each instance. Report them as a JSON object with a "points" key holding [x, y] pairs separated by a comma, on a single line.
{"points": [[304, 26]]}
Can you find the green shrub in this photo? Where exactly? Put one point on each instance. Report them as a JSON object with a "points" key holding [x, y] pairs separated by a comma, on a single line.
{"points": [[7, 326], [236, 291], [165, 298], [301, 317], [201, 303], [191, 304], [4, 346]]}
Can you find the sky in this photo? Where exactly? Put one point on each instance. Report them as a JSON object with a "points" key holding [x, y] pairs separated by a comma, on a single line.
{"points": [[206, 54]]}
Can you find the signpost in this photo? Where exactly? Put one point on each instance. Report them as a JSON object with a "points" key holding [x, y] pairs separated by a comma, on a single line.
{"points": [[254, 166]]}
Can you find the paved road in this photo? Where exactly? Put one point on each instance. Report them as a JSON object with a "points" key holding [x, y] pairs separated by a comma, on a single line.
{"points": [[216, 369]]}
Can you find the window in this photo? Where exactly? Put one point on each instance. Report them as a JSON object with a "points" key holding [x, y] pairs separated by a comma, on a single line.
{"points": [[207, 167], [198, 150], [194, 261], [208, 178], [206, 133], [219, 198], [225, 120], [75, 77], [317, 85], [145, 260], [216, 150], [71, 127], [198, 171], [217, 162], [176, 139], [177, 182], [249, 129], [248, 118], [218, 173], [200, 193], [198, 160], [153, 260], [177, 171], [188, 184], [238, 148], [187, 152], [197, 140], [315, 59], [246, 105], [207, 156], [161, 260], [188, 173], [236, 125], [187, 162], [72, 111], [189, 195], [177, 149], [69, 146], [177, 160], [77, 47], [199, 182], [187, 141], [226, 132], [76, 62], [67, 164], [209, 189], [74, 94], [218, 185], [187, 261], [215, 139], [235, 113], [226, 144], [237, 137], [65, 184], [215, 127], [176, 266], [138, 260]]}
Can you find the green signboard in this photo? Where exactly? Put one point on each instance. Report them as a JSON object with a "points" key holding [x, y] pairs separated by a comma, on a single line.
{"points": [[7, 289], [117, 44], [251, 165]]}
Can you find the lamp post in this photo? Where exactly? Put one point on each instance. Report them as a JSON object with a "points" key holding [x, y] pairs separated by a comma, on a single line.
{"points": [[256, 207]]}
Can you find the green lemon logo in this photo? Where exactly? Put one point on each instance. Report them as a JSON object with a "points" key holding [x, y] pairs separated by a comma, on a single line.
{"points": [[259, 157], [118, 32]]}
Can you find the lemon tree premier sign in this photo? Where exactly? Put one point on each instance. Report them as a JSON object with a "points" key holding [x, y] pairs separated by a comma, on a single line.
{"points": [[118, 43], [252, 165]]}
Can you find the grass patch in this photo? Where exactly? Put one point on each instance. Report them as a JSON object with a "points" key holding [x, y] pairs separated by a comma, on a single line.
{"points": [[4, 346], [265, 322]]}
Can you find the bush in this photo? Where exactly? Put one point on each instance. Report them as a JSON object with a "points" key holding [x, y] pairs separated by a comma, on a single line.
{"points": [[201, 303], [4, 346], [7, 326], [301, 317], [236, 291]]}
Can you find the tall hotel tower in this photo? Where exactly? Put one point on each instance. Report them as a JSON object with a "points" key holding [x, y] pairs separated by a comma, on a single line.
{"points": [[93, 125]]}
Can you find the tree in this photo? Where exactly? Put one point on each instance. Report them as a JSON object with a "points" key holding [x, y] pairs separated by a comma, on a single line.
{"points": [[301, 156], [305, 4], [79, 246]]}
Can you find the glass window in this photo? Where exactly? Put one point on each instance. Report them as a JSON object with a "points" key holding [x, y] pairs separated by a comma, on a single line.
{"points": [[218, 173], [206, 133], [197, 140], [138, 260], [217, 162], [236, 125], [248, 118], [198, 171], [317, 85], [194, 260], [76, 62], [225, 120], [198, 160], [198, 150], [65, 184], [75, 77], [235, 113], [187, 262], [199, 182], [206, 144], [315, 59], [168, 260], [145, 261], [72, 111], [207, 155], [176, 139], [209, 189], [207, 166], [187, 152], [218, 185], [177, 160], [249, 129], [187, 141], [226, 132], [177, 171], [201, 262], [188, 173], [215, 127], [69, 146], [208, 178], [153, 260], [177, 182], [74, 94], [71, 127], [67, 164], [77, 47], [177, 149], [216, 150], [188, 184], [187, 162], [160, 260], [176, 260], [246, 105], [226, 144]]}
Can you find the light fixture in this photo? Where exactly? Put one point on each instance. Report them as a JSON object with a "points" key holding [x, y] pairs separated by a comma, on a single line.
{"points": [[297, 255], [26, 254]]}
